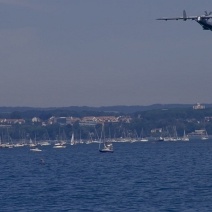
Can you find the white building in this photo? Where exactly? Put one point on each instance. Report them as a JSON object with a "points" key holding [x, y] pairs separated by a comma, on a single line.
{"points": [[198, 106], [36, 119]]}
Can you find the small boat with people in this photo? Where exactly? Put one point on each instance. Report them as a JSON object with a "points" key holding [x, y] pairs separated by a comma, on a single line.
{"points": [[107, 148]]}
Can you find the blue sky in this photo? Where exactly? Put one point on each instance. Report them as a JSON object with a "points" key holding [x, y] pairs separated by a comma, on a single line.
{"points": [[103, 52]]}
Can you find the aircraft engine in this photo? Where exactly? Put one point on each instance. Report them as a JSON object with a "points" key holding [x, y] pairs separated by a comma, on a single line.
{"points": [[199, 18]]}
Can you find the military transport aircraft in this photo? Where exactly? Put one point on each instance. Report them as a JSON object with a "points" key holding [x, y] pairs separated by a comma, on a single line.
{"points": [[203, 20]]}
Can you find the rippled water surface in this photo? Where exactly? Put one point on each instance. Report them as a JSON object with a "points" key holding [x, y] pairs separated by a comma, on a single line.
{"points": [[163, 176]]}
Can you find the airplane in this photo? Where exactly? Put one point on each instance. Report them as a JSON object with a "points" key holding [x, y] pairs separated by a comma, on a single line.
{"points": [[203, 20]]}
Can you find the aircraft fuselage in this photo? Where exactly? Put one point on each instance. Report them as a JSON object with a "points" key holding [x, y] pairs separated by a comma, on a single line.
{"points": [[206, 25]]}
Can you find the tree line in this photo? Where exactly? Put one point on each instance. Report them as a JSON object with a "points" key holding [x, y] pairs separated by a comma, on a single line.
{"points": [[142, 121]]}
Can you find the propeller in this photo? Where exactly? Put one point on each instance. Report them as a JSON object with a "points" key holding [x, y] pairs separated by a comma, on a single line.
{"points": [[206, 13]]}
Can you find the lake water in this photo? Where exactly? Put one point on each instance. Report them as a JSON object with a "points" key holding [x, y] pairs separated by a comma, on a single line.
{"points": [[161, 176]]}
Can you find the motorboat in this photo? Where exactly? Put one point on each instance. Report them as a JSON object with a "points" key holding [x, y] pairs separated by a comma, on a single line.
{"points": [[35, 150], [107, 148]]}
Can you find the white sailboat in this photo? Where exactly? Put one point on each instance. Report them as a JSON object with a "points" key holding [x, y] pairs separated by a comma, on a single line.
{"points": [[46, 140], [105, 146], [72, 139], [143, 139], [34, 145], [31, 144], [60, 144], [1, 145], [205, 137], [185, 137]]}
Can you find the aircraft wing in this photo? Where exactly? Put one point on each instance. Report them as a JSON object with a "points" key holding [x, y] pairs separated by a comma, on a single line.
{"points": [[179, 18], [206, 17], [184, 17]]}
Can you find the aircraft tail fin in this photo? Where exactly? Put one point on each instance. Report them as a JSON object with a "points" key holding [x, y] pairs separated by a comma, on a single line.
{"points": [[184, 15]]}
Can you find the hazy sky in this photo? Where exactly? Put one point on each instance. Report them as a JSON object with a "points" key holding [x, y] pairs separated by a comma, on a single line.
{"points": [[103, 52]]}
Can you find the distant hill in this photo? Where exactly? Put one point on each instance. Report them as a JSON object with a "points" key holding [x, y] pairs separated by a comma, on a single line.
{"points": [[115, 109]]}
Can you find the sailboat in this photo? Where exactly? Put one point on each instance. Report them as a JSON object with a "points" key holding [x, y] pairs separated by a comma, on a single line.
{"points": [[60, 144], [31, 144], [105, 146], [185, 137], [72, 139], [34, 145], [1, 143], [205, 137], [143, 139]]}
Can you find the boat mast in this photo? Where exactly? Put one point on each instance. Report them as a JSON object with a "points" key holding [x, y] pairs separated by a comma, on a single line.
{"points": [[101, 137]]}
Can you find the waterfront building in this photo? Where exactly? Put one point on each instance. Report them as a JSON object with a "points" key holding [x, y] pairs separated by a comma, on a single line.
{"points": [[198, 106]]}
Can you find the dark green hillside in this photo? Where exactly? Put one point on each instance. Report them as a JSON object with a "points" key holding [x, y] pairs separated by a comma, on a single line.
{"points": [[166, 117]]}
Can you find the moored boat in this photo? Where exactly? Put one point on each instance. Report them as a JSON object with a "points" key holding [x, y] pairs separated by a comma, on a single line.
{"points": [[185, 137], [107, 145], [35, 150], [59, 146]]}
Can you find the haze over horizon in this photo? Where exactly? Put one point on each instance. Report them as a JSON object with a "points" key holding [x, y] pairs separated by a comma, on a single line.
{"points": [[103, 53]]}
